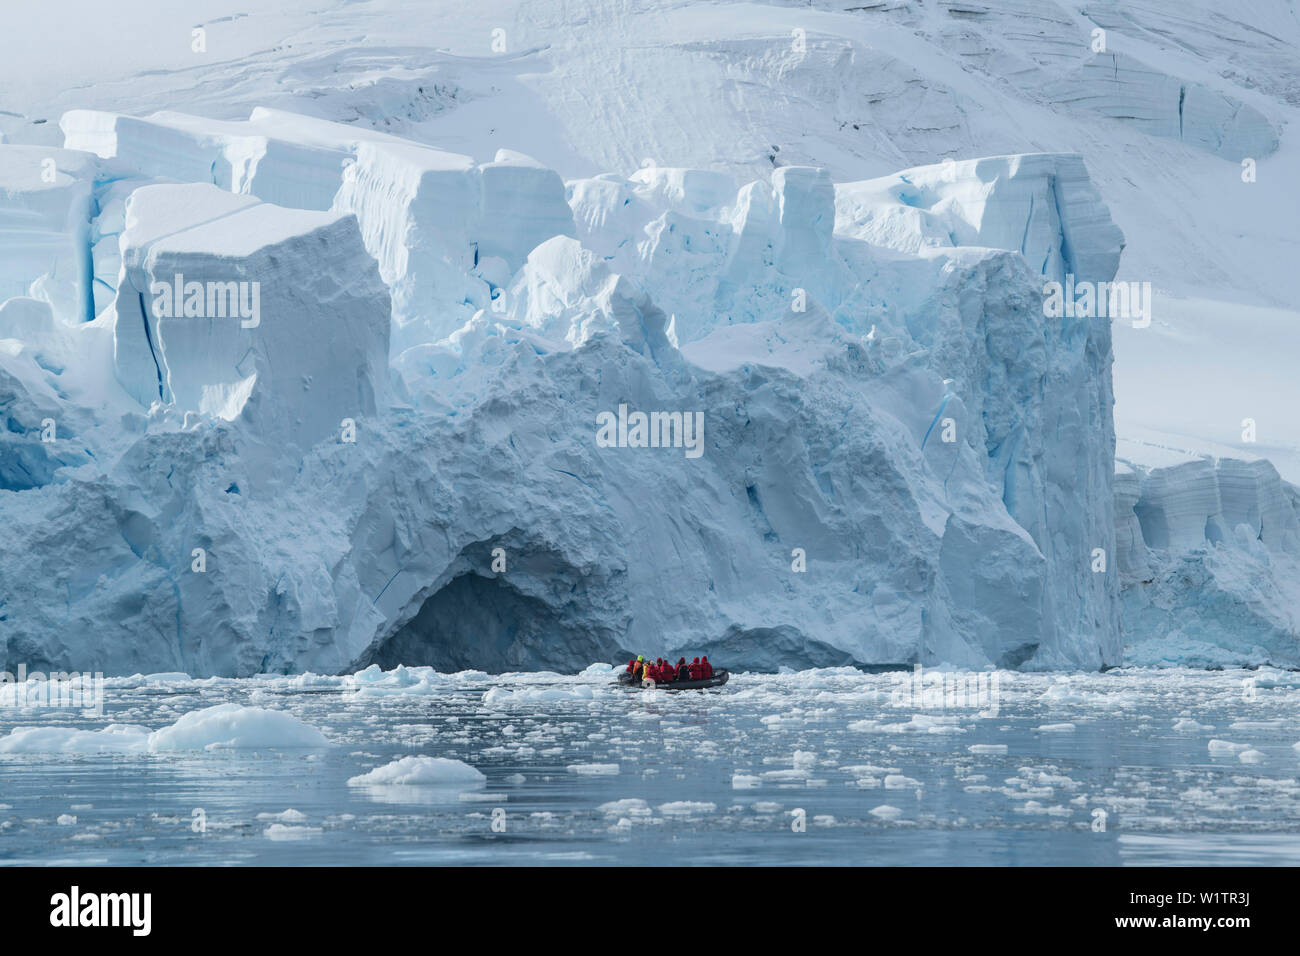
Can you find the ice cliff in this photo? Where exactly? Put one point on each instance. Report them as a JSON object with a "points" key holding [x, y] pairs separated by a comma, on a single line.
{"points": [[441, 226], [44, 217], [1209, 559], [229, 307], [901, 459]]}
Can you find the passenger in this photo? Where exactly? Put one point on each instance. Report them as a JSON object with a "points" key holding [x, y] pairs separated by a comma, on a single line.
{"points": [[631, 665], [705, 667], [681, 672], [695, 670]]}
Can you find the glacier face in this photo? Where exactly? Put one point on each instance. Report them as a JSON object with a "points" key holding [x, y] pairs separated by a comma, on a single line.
{"points": [[901, 459], [230, 308], [44, 222], [1209, 559], [440, 225]]}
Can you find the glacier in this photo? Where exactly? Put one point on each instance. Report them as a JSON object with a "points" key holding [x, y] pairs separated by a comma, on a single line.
{"points": [[44, 222], [1210, 561], [281, 496]]}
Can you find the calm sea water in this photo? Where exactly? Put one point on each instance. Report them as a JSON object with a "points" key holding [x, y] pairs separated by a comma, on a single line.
{"points": [[824, 766]]}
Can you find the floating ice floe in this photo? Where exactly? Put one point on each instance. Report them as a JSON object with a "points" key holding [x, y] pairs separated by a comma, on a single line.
{"points": [[220, 727], [686, 808], [594, 769], [421, 771], [282, 831], [504, 696], [1217, 746], [627, 807]]}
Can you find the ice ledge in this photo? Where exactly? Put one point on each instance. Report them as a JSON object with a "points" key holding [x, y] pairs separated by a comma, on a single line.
{"points": [[1042, 205]]}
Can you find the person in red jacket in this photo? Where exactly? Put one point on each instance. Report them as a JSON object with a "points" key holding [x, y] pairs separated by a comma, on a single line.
{"points": [[694, 669], [705, 667]]}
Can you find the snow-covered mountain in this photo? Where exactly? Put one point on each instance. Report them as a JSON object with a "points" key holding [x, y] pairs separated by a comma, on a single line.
{"points": [[325, 334]]}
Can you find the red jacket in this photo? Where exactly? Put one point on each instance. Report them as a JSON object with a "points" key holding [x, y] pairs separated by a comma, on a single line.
{"points": [[694, 669], [631, 666], [707, 668]]}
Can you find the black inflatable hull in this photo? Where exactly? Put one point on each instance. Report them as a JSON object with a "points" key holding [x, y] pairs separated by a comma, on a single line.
{"points": [[717, 680]]}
